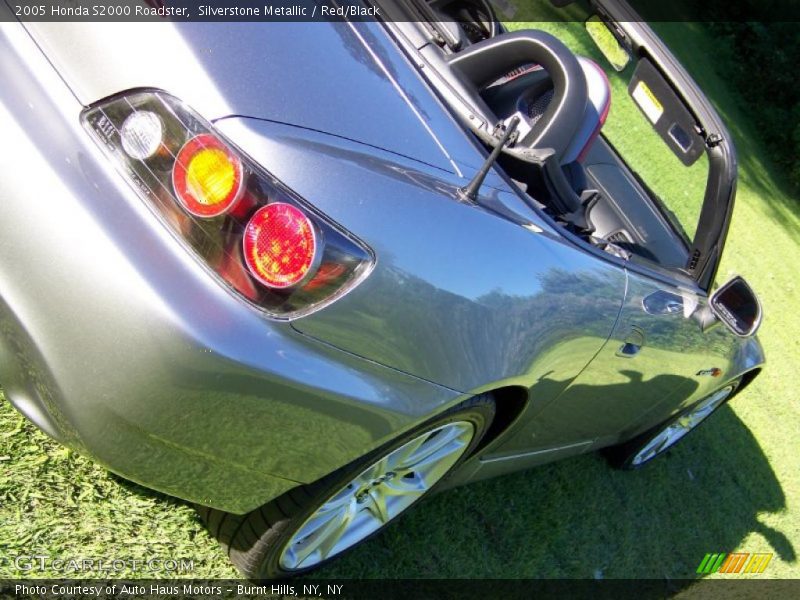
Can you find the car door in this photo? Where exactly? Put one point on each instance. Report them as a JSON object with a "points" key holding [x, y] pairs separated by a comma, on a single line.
{"points": [[660, 355], [657, 359]]}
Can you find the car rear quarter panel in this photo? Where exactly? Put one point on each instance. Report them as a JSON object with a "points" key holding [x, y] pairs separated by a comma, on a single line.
{"points": [[116, 341], [459, 296]]}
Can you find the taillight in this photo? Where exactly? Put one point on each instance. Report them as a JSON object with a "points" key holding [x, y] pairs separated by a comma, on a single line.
{"points": [[271, 246], [207, 176], [279, 245]]}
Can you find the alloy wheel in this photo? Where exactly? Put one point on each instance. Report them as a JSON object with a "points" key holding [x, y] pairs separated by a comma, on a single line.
{"points": [[678, 428], [377, 495]]}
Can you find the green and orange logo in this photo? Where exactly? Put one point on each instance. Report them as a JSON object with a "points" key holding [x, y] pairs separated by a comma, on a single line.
{"points": [[734, 563]]}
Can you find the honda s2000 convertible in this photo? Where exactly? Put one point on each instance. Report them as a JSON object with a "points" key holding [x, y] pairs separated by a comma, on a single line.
{"points": [[303, 274]]}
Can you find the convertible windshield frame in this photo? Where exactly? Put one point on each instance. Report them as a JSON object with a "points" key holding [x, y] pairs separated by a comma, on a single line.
{"points": [[705, 248]]}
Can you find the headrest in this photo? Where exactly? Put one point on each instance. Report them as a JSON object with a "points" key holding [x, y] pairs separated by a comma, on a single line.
{"points": [[598, 104]]}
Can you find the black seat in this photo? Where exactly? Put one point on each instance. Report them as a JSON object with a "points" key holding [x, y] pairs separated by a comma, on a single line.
{"points": [[482, 64]]}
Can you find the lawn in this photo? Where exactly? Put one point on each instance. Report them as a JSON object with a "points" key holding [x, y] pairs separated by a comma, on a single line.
{"points": [[732, 486]]}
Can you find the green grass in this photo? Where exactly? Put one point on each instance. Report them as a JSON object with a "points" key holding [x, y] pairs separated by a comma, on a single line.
{"points": [[732, 486]]}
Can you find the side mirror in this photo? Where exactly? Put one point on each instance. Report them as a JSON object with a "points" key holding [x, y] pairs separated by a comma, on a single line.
{"points": [[737, 306], [608, 43]]}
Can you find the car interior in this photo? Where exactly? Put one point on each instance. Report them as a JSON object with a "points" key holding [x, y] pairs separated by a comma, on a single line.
{"points": [[566, 167]]}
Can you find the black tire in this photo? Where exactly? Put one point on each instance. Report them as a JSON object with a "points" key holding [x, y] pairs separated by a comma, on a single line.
{"points": [[254, 541], [622, 455]]}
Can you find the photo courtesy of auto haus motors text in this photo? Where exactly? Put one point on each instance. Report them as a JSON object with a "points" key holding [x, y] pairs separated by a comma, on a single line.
{"points": [[398, 298], [138, 590]]}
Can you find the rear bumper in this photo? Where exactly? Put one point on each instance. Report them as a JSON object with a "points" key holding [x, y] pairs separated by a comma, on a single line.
{"points": [[117, 342], [180, 414]]}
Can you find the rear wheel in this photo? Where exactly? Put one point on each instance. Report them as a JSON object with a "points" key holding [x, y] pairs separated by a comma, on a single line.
{"points": [[642, 449], [312, 524]]}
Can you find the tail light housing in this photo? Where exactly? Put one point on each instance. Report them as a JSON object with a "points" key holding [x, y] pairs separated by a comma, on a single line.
{"points": [[264, 241]]}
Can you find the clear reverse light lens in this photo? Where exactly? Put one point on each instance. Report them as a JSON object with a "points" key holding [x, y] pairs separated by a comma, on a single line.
{"points": [[141, 134]]}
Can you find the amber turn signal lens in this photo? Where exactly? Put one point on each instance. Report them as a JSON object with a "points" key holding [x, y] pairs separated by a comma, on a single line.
{"points": [[207, 176]]}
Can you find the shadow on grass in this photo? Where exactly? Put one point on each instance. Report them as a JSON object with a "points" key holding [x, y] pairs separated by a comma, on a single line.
{"points": [[759, 171], [580, 519], [164, 500]]}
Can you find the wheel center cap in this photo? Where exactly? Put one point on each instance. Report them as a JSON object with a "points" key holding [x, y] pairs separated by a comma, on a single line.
{"points": [[363, 492], [382, 478]]}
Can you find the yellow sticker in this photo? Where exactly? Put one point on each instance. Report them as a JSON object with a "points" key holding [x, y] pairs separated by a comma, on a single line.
{"points": [[648, 102]]}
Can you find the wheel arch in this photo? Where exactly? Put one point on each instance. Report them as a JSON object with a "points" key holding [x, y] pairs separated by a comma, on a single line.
{"points": [[746, 379], [510, 403]]}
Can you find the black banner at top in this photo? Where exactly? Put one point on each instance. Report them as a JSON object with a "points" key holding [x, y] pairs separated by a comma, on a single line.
{"points": [[361, 10]]}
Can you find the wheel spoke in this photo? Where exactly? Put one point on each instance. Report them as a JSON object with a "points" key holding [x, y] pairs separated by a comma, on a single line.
{"points": [[654, 447], [329, 543], [682, 425], [318, 521], [337, 502], [702, 412], [376, 470], [404, 486], [401, 456], [378, 506], [429, 449], [436, 465], [319, 535], [375, 496]]}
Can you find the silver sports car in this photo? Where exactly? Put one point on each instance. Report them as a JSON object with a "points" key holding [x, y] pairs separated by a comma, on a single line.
{"points": [[303, 274]]}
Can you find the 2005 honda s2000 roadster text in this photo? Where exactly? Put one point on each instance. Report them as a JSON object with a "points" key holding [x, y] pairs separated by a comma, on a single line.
{"points": [[303, 274]]}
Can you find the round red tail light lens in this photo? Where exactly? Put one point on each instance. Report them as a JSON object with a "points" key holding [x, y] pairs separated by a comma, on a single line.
{"points": [[280, 245], [207, 176]]}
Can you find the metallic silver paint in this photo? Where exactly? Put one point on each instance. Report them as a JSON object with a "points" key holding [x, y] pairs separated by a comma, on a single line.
{"points": [[345, 79], [100, 348], [482, 295]]}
